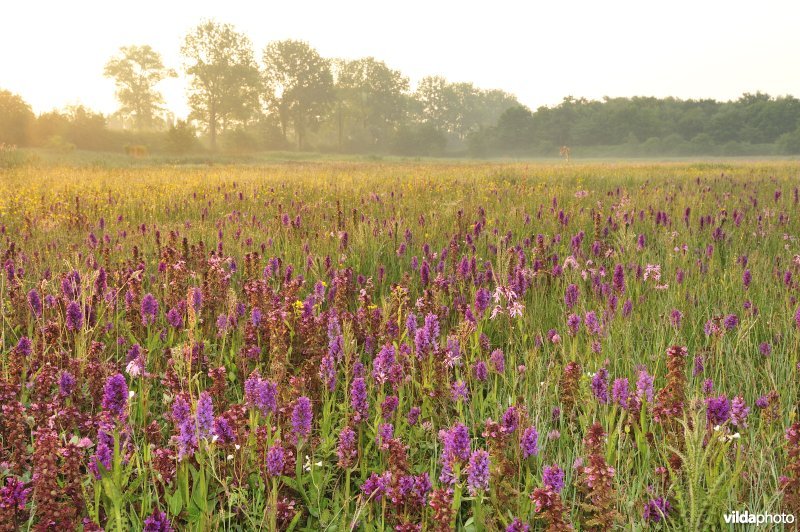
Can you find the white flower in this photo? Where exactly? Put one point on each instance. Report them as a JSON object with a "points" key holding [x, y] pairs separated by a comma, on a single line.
{"points": [[654, 271], [495, 311], [498, 294], [134, 367]]}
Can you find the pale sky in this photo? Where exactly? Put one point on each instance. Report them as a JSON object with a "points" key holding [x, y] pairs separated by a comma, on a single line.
{"points": [[53, 52]]}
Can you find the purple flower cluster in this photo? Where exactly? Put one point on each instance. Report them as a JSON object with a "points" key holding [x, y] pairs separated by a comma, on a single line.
{"points": [[358, 400], [571, 296], [426, 338], [739, 412], [620, 392], [455, 447], [74, 318], [656, 509], [553, 478], [376, 487], [644, 386], [498, 360], [275, 460], [115, 395], [205, 415], [529, 443], [482, 300], [261, 394], [510, 420], [718, 410], [478, 472], [346, 450], [149, 309], [302, 418], [186, 427], [157, 522], [600, 385], [14, 495], [35, 303], [385, 367]]}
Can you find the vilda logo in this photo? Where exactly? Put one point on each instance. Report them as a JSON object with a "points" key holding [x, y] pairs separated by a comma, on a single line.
{"points": [[746, 518]]}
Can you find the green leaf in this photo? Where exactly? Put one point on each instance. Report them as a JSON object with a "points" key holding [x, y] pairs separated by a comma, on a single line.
{"points": [[174, 502], [294, 522]]}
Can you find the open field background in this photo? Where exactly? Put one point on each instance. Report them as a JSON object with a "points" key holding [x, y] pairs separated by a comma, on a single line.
{"points": [[350, 344], [84, 158]]}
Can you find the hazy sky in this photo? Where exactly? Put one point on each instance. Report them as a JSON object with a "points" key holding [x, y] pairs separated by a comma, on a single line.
{"points": [[53, 52]]}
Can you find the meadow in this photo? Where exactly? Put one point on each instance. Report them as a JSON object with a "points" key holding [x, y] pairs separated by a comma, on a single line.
{"points": [[399, 346]]}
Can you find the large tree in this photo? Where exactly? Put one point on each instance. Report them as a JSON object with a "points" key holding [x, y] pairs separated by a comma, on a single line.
{"points": [[372, 97], [436, 103], [16, 118], [300, 85], [225, 82], [460, 108], [136, 71]]}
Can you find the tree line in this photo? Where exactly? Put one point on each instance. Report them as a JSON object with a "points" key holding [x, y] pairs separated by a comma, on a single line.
{"points": [[290, 97], [754, 124]]}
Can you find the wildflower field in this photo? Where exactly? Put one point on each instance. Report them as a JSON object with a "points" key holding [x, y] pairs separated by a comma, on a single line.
{"points": [[404, 346]]}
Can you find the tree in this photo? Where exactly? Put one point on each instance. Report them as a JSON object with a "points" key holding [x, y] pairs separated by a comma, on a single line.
{"points": [[419, 139], [180, 138], [16, 118], [789, 143], [87, 129], [514, 130], [372, 96], [435, 97], [471, 108], [460, 109], [490, 107], [300, 85], [225, 82], [136, 71], [50, 129]]}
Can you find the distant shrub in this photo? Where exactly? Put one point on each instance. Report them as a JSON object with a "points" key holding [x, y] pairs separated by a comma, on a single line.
{"points": [[136, 150], [239, 141], [789, 143], [11, 157], [732, 148], [674, 145], [58, 143], [181, 139], [652, 146], [421, 139]]}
